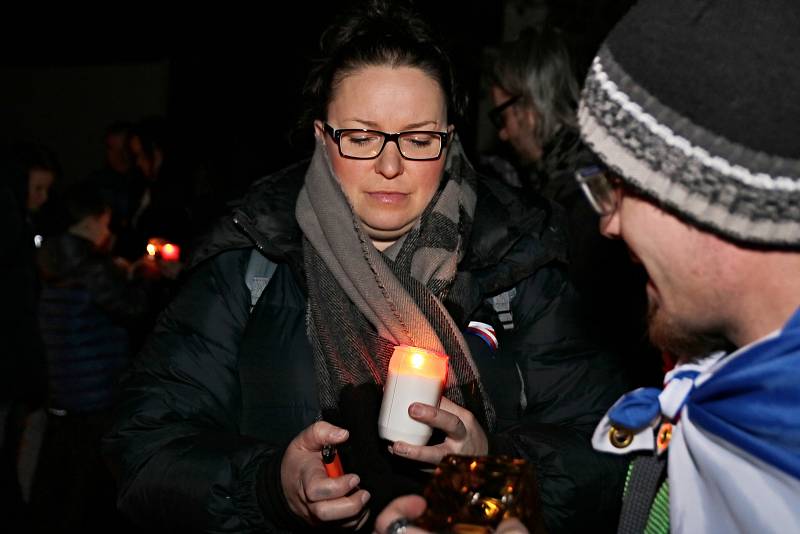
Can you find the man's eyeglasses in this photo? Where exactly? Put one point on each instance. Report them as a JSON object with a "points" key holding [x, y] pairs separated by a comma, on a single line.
{"points": [[601, 187], [417, 145], [496, 113]]}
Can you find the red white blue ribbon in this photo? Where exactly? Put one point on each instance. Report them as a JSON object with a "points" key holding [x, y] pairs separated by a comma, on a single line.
{"points": [[485, 332]]}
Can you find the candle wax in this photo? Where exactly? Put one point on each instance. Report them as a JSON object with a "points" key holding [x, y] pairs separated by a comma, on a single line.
{"points": [[403, 389]]}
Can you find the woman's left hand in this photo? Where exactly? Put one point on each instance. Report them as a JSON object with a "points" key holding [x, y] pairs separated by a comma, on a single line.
{"points": [[464, 433]]}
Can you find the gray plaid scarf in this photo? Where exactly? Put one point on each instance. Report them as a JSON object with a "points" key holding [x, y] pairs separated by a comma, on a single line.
{"points": [[362, 303]]}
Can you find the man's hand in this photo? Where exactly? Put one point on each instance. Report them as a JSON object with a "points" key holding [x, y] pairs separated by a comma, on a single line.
{"points": [[311, 494], [408, 507], [404, 509], [464, 433]]}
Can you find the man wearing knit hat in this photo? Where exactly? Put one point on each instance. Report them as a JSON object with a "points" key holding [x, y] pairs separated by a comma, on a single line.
{"points": [[694, 107]]}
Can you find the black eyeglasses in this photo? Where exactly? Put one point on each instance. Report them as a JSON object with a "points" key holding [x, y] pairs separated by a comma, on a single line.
{"points": [[601, 187], [417, 145], [496, 113]]}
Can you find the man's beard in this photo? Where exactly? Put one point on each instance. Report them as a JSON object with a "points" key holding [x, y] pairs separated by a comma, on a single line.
{"points": [[684, 343]]}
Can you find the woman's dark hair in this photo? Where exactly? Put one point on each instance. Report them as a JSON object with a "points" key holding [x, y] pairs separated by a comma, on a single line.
{"points": [[537, 67], [381, 33]]}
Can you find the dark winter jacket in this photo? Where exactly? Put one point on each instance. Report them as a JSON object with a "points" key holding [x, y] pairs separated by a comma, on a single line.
{"points": [[86, 303], [611, 286], [220, 389]]}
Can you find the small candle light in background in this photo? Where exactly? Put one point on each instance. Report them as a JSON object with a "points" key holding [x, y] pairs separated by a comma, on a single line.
{"points": [[160, 248], [170, 252], [154, 245], [415, 375]]}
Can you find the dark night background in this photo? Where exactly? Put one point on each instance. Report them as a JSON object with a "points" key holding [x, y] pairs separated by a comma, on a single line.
{"points": [[229, 82]]}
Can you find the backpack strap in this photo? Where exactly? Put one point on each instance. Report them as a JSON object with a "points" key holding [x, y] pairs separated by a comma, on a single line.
{"points": [[259, 272], [647, 474]]}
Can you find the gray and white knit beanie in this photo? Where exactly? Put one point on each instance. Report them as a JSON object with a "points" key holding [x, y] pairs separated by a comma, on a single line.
{"points": [[696, 104]]}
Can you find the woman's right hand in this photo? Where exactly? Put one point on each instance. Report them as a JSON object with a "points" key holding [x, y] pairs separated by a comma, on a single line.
{"points": [[311, 494]]}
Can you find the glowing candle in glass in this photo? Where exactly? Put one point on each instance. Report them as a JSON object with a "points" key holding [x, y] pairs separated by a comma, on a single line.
{"points": [[415, 375]]}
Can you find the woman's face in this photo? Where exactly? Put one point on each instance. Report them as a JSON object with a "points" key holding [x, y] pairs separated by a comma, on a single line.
{"points": [[39, 182], [388, 193]]}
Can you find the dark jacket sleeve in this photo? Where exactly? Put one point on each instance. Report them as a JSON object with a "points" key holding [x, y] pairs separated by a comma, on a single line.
{"points": [[22, 356], [568, 385], [174, 446]]}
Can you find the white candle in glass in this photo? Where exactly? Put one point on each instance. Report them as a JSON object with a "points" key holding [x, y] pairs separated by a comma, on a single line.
{"points": [[415, 375]]}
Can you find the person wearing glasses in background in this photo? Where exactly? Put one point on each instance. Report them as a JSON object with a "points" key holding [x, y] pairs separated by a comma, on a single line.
{"points": [[704, 188], [535, 92], [279, 341]]}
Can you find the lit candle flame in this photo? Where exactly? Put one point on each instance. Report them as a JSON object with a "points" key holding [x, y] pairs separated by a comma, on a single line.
{"points": [[417, 360], [151, 249], [170, 252]]}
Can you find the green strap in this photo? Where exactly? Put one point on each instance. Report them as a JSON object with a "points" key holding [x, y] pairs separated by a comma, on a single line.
{"points": [[658, 522]]}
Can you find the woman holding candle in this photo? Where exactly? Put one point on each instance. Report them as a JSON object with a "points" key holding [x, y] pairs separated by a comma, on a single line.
{"points": [[390, 240]]}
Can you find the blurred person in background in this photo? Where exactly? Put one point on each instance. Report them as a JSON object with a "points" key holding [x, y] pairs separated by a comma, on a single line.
{"points": [[535, 93], [118, 174], [88, 303], [157, 208], [158, 195], [27, 172]]}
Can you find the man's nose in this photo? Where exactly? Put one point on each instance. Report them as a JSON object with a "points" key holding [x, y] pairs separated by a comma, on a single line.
{"points": [[609, 225]]}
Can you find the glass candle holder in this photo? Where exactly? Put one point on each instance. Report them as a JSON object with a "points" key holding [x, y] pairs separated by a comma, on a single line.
{"points": [[473, 494]]}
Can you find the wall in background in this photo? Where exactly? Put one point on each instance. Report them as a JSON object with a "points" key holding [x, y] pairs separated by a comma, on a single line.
{"points": [[68, 107]]}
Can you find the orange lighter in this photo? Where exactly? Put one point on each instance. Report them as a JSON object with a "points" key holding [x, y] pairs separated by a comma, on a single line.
{"points": [[333, 465]]}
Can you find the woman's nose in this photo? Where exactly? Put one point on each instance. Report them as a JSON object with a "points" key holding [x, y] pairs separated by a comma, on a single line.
{"points": [[390, 162], [502, 133]]}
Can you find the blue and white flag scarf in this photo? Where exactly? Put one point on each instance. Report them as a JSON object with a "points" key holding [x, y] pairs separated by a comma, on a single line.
{"points": [[734, 454]]}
